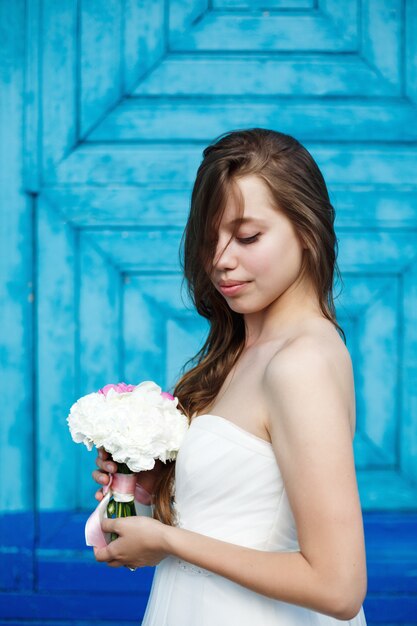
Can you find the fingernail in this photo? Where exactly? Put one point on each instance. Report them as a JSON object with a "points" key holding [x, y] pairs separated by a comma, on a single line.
{"points": [[103, 479], [109, 467]]}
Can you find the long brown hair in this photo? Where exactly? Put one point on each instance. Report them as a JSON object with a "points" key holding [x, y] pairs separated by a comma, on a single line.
{"points": [[299, 190]]}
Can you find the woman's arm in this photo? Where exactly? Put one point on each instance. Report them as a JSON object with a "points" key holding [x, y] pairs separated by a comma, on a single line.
{"points": [[285, 576], [311, 437]]}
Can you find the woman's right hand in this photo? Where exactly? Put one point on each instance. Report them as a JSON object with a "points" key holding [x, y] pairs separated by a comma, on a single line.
{"points": [[147, 479], [107, 467]]}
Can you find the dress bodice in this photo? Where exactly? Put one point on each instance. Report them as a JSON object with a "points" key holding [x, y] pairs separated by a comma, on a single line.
{"points": [[228, 486]]}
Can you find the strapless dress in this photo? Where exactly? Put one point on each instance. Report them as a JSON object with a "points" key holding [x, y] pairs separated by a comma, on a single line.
{"points": [[228, 486]]}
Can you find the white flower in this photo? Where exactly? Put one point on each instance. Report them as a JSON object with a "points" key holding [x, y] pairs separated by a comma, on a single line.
{"points": [[135, 427]]}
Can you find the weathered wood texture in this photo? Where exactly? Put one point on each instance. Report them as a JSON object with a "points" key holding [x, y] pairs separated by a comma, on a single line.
{"points": [[105, 108]]}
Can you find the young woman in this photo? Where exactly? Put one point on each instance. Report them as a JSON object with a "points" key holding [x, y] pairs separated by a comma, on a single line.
{"points": [[258, 521]]}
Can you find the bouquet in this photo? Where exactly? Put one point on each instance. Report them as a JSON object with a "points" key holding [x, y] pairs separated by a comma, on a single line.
{"points": [[135, 424]]}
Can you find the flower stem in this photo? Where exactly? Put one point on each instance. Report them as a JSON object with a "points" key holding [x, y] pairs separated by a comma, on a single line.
{"points": [[120, 509]]}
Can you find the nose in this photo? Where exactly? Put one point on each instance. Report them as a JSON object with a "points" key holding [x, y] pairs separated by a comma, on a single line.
{"points": [[225, 256]]}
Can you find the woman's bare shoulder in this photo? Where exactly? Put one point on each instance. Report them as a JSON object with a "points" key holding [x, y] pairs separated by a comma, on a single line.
{"points": [[316, 346], [317, 335]]}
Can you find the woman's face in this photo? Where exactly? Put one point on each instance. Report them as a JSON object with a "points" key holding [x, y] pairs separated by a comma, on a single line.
{"points": [[265, 252]]}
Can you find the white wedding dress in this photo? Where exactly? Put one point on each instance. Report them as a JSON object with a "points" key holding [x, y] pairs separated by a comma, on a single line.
{"points": [[228, 486]]}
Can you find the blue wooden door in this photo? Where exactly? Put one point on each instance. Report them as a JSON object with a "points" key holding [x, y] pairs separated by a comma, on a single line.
{"points": [[109, 105]]}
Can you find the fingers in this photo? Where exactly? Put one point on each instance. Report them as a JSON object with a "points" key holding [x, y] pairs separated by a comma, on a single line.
{"points": [[100, 477], [103, 479], [102, 453], [110, 525], [106, 467], [103, 554]]}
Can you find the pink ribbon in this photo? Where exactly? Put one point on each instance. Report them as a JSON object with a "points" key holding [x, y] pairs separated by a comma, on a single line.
{"points": [[123, 484]]}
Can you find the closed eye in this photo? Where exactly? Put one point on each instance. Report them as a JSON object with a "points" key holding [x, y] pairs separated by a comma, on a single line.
{"points": [[248, 240]]}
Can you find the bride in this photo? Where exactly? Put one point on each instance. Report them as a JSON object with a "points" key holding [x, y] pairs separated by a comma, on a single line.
{"points": [[259, 519]]}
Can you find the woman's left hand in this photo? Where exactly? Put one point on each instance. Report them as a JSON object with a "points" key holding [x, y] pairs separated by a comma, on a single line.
{"points": [[141, 542]]}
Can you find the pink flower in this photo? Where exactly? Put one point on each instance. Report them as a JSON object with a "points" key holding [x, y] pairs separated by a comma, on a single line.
{"points": [[124, 388], [119, 388]]}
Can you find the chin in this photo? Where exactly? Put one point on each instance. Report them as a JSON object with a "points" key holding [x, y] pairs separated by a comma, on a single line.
{"points": [[243, 308]]}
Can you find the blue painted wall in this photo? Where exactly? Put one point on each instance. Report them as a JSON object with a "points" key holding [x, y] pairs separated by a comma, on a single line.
{"points": [[105, 108]]}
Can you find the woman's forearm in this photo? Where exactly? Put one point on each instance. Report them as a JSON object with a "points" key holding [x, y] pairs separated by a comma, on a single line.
{"points": [[285, 576]]}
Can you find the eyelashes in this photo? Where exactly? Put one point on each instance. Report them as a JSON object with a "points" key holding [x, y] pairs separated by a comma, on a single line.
{"points": [[243, 240], [248, 240]]}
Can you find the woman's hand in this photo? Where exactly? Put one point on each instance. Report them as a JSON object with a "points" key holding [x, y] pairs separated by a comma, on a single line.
{"points": [[141, 542], [107, 466], [147, 479]]}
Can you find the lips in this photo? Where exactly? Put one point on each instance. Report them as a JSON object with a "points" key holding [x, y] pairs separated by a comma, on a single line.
{"points": [[230, 288], [231, 283]]}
